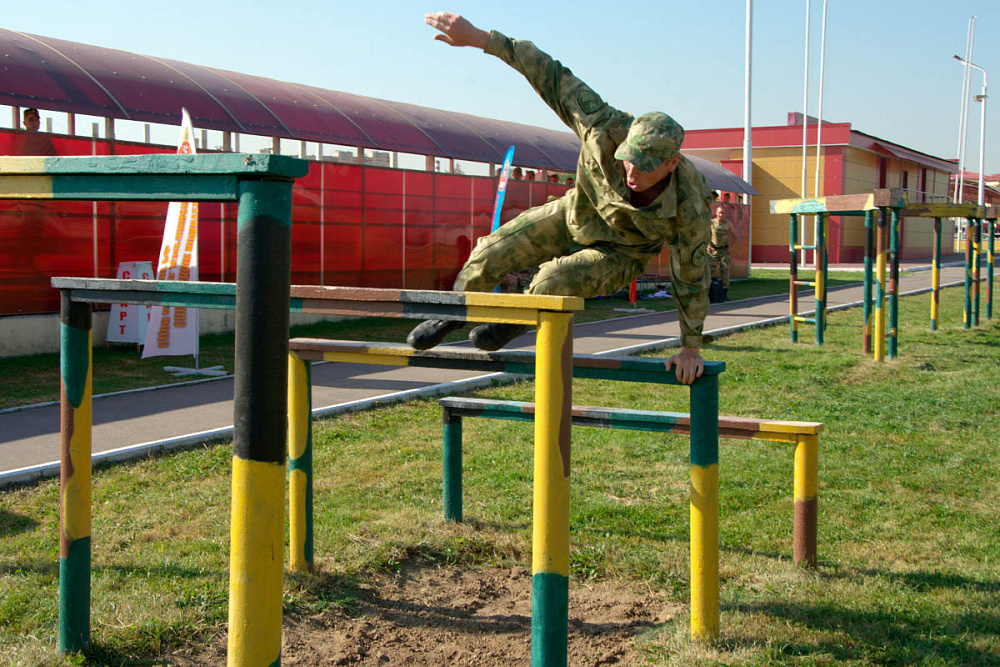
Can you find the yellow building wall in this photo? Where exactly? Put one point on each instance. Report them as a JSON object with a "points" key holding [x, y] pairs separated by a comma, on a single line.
{"points": [[777, 174]]}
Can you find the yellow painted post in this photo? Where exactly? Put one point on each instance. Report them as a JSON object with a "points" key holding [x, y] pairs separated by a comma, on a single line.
{"points": [[878, 337], [76, 400], [550, 518], [806, 485], [300, 510], [704, 507]]}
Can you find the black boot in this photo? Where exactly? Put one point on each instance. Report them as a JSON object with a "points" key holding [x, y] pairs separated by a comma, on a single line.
{"points": [[492, 337], [429, 333]]}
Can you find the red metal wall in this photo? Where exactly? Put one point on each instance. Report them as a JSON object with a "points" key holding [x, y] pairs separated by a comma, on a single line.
{"points": [[352, 225]]}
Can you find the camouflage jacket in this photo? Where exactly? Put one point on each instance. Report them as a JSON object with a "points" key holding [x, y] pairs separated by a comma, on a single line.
{"points": [[601, 213]]}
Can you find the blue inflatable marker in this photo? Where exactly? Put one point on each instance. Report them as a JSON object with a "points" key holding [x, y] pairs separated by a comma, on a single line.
{"points": [[501, 188]]}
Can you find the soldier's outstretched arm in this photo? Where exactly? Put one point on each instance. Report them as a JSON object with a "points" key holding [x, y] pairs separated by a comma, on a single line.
{"points": [[577, 105], [456, 31]]}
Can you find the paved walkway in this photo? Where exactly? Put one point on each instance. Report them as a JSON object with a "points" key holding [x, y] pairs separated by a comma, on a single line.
{"points": [[129, 425]]}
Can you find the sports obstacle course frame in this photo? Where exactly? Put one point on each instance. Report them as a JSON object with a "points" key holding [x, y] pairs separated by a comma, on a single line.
{"points": [[550, 520], [803, 435], [263, 298], [882, 248], [262, 186]]}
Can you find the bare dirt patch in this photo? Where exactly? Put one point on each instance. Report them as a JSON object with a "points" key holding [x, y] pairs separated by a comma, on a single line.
{"points": [[430, 615]]}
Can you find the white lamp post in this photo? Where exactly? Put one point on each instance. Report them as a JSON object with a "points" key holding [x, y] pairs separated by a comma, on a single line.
{"points": [[982, 128]]}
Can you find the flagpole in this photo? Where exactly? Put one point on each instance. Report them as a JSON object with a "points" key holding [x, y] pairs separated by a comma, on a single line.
{"points": [[747, 134], [805, 129]]}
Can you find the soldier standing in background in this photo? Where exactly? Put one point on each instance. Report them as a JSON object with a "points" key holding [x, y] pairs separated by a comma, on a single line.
{"points": [[723, 234], [634, 192]]}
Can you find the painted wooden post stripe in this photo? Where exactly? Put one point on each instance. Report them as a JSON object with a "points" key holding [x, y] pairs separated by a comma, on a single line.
{"points": [[259, 428], [880, 260], [967, 311], [820, 293], [936, 275], [300, 468], [990, 251], [704, 540], [451, 465], [76, 364], [866, 331], [892, 348], [806, 485], [793, 276], [977, 239], [550, 520]]}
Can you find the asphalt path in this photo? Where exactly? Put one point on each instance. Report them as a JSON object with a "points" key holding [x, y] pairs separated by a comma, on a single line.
{"points": [[129, 425]]}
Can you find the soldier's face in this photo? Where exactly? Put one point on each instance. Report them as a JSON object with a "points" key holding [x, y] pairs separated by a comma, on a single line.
{"points": [[640, 181]]}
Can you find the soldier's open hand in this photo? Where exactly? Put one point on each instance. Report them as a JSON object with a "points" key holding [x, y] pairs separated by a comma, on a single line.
{"points": [[456, 30]]}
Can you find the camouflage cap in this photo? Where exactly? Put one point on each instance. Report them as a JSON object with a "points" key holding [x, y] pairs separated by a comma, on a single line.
{"points": [[652, 139]]}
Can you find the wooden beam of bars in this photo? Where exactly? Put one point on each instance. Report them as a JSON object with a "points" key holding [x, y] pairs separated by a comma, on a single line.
{"points": [[170, 177]]}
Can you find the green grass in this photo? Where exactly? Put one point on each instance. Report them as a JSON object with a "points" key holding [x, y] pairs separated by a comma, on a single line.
{"points": [[909, 497], [35, 379]]}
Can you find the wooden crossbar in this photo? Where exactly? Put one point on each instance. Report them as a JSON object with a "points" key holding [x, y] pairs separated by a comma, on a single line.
{"points": [[351, 301], [894, 198], [841, 204], [168, 177], [803, 435], [743, 428], [519, 362]]}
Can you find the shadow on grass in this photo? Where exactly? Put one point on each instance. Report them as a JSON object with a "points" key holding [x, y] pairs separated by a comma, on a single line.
{"points": [[99, 655], [927, 581], [12, 523], [51, 567], [892, 637]]}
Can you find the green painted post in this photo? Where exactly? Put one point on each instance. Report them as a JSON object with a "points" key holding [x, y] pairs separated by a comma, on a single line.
{"points": [[793, 276], [820, 290], [76, 364], [990, 233], [300, 465], [704, 507], [259, 423], [892, 348], [451, 461], [967, 312], [866, 330], [977, 242]]}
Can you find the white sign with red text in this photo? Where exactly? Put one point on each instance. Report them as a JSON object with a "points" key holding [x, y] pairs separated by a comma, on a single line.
{"points": [[174, 330], [128, 321]]}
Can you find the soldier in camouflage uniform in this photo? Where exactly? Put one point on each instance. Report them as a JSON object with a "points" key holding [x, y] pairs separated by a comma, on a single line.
{"points": [[718, 248], [634, 192]]}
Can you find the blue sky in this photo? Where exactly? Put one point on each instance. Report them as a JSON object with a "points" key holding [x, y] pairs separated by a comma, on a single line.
{"points": [[889, 69]]}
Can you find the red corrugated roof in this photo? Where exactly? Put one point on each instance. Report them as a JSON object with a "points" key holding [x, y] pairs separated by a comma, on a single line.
{"points": [[67, 76], [79, 78]]}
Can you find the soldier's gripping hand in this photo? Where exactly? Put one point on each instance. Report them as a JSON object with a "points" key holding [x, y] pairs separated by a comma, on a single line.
{"points": [[687, 364], [456, 30]]}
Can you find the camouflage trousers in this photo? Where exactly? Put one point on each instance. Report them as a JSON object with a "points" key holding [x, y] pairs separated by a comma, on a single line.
{"points": [[540, 238], [718, 262]]}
